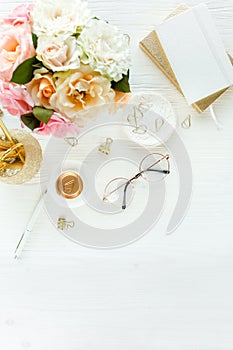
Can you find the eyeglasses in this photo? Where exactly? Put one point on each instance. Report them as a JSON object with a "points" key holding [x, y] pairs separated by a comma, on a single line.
{"points": [[154, 168]]}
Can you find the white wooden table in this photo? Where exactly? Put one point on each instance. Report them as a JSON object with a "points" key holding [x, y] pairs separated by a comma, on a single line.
{"points": [[162, 292]]}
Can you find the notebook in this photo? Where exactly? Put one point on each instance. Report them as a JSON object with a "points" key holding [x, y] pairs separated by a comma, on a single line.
{"points": [[194, 59]]}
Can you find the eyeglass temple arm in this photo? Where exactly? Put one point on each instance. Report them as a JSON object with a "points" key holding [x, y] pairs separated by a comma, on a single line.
{"points": [[159, 171], [124, 196], [138, 175]]}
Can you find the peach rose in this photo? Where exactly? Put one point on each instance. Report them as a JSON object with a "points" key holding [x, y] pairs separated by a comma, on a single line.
{"points": [[15, 99], [19, 15], [122, 97], [41, 88], [58, 127], [15, 47], [79, 90]]}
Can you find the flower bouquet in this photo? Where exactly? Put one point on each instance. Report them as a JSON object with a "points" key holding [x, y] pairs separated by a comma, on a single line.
{"points": [[57, 62]]}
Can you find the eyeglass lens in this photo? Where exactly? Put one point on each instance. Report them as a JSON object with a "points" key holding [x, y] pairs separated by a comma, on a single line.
{"points": [[155, 167]]}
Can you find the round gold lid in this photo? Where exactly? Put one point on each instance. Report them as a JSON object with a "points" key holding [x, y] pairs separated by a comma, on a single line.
{"points": [[69, 185]]}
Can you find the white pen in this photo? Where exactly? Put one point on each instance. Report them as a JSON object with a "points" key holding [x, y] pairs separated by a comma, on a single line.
{"points": [[30, 225]]}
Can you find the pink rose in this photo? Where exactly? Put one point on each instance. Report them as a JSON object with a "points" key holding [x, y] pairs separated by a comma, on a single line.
{"points": [[19, 15], [58, 127], [16, 46], [15, 98]]}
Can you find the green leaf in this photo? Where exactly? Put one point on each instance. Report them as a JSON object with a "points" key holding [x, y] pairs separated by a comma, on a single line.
{"points": [[30, 121], [39, 114], [123, 84], [34, 40], [42, 114], [23, 74]]}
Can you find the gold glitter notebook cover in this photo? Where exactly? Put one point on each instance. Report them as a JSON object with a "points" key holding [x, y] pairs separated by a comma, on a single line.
{"points": [[152, 47]]}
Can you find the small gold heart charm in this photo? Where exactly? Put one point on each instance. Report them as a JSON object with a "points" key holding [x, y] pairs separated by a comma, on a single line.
{"points": [[159, 122], [186, 124], [72, 141]]}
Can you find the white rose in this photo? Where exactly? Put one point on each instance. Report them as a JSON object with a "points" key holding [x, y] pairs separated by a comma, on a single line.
{"points": [[105, 49], [58, 53], [59, 17], [79, 90]]}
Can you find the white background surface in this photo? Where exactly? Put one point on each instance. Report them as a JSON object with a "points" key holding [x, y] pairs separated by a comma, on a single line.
{"points": [[163, 292]]}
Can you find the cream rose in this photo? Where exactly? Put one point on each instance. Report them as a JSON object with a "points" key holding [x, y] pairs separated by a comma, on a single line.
{"points": [[59, 17], [80, 90], [41, 89], [58, 53], [105, 49]]}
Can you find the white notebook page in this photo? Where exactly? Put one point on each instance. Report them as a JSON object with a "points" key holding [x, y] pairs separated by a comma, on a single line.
{"points": [[196, 53]]}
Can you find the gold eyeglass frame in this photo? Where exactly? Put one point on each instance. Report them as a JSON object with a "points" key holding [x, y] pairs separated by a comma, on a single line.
{"points": [[139, 174]]}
